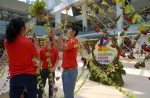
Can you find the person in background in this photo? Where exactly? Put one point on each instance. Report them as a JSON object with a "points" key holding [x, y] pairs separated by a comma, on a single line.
{"points": [[45, 68], [69, 60], [86, 62], [143, 46], [21, 52]]}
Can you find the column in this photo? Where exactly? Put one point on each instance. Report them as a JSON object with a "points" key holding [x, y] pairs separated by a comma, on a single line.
{"points": [[57, 19], [84, 21], [52, 3], [120, 22]]}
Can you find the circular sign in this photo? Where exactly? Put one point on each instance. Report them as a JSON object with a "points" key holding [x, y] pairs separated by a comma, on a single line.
{"points": [[103, 52]]}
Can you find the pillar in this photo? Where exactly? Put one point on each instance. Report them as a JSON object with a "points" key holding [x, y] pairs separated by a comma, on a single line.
{"points": [[84, 21], [57, 19], [120, 22]]}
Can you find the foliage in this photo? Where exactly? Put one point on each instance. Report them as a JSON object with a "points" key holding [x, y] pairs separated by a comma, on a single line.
{"points": [[37, 7]]}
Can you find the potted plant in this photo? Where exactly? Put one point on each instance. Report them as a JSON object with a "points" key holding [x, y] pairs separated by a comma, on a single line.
{"points": [[38, 9]]}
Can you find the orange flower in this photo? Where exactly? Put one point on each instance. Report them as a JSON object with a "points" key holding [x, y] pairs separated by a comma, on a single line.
{"points": [[67, 8]]}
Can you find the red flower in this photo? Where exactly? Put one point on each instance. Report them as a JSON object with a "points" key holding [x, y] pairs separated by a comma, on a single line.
{"points": [[125, 28], [137, 67], [132, 46], [112, 27], [144, 32], [121, 54], [104, 37], [104, 31], [130, 57], [112, 45], [97, 24], [122, 7], [128, 19], [113, 39], [135, 38], [96, 30]]}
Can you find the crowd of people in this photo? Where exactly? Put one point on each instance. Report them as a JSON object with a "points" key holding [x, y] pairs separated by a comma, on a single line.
{"points": [[22, 52]]}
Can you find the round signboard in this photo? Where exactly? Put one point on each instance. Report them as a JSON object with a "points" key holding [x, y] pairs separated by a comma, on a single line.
{"points": [[103, 52]]}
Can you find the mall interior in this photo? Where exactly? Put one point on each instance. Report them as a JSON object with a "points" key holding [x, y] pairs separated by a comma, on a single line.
{"points": [[113, 39]]}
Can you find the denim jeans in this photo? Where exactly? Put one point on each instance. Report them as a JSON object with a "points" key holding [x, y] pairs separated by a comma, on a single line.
{"points": [[19, 82], [45, 75], [69, 78]]}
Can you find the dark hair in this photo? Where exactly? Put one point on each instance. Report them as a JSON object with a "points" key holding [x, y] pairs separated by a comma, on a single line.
{"points": [[13, 29], [75, 29], [50, 39]]}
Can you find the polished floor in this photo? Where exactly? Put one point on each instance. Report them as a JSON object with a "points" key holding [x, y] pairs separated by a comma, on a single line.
{"points": [[136, 81]]}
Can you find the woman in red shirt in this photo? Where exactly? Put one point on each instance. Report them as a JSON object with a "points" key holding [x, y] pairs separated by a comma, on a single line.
{"points": [[20, 52], [48, 53]]}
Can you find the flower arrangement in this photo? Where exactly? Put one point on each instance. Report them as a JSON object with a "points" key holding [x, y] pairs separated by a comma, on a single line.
{"points": [[38, 9]]}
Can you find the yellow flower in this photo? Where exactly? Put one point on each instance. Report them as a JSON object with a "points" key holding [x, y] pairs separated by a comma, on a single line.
{"points": [[78, 7], [48, 30], [48, 23], [94, 5], [81, 12], [101, 11], [136, 18], [90, 0], [86, 17], [110, 10], [143, 27], [128, 9], [104, 49], [148, 39], [46, 17], [67, 8], [104, 3], [76, 45], [93, 15], [88, 9], [82, 3], [66, 15], [66, 22], [121, 1], [113, 1], [72, 41]]}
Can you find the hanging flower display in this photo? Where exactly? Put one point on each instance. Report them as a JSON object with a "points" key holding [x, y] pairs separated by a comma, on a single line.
{"points": [[104, 3], [96, 30], [94, 5], [120, 1], [81, 12], [90, 1], [78, 7], [128, 9], [48, 30], [93, 15], [136, 18], [113, 1], [87, 17], [110, 10], [87, 8], [67, 8], [101, 11], [148, 39]]}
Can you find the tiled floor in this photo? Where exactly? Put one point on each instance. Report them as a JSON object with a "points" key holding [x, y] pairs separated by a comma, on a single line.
{"points": [[135, 80]]}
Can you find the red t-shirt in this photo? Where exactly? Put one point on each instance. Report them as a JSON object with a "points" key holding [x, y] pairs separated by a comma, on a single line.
{"points": [[20, 54], [53, 57], [70, 56]]}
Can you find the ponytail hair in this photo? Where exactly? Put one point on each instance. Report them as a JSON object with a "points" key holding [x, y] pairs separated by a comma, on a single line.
{"points": [[13, 29]]}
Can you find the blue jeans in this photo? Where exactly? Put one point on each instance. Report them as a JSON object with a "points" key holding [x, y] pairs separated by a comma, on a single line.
{"points": [[69, 78], [45, 75], [18, 84]]}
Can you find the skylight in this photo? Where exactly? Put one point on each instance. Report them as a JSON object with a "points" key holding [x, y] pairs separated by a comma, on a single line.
{"points": [[27, 1]]}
